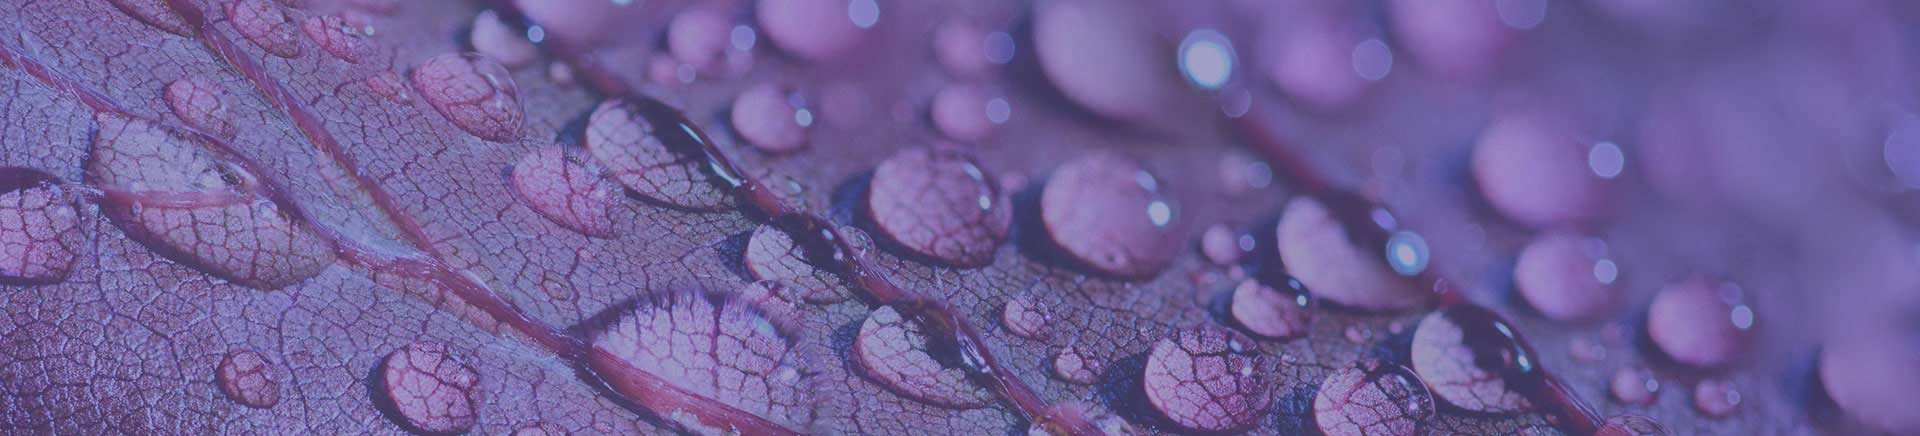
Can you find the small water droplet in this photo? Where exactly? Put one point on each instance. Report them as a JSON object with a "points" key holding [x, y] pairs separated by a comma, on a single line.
{"points": [[338, 37], [494, 38], [155, 13], [474, 92], [266, 25], [1716, 398], [656, 152], [249, 379], [201, 104], [1559, 276], [1076, 366], [567, 191], [1634, 385], [1107, 212], [1025, 318], [430, 390], [1197, 380], [814, 30], [1358, 334], [1586, 349], [1372, 398], [1271, 313], [962, 112], [895, 350], [1692, 322], [939, 203], [1475, 360], [765, 117], [40, 234], [773, 255], [744, 360]]}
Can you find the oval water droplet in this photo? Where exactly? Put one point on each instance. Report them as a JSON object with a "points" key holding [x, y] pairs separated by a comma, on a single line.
{"points": [[1456, 38], [1201, 380], [699, 36], [494, 38], [168, 191], [390, 85], [429, 389], [266, 25], [724, 350], [1314, 62], [1555, 273], [1532, 170], [1271, 313], [763, 116], [1317, 242], [201, 104], [338, 36], [1107, 212], [772, 255], [938, 202], [1475, 360], [249, 379], [896, 351], [1716, 398], [655, 151], [40, 232], [1025, 318], [1372, 398], [1631, 425], [1634, 385], [1220, 245], [1077, 366], [1694, 325], [1103, 57], [155, 13], [960, 111], [961, 47], [474, 92], [1868, 371], [814, 30], [562, 188]]}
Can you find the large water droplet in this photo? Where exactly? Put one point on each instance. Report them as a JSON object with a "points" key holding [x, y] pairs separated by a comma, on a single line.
{"points": [[338, 37], [267, 25], [155, 13], [39, 228], [1557, 275], [429, 389], [655, 151], [562, 188], [896, 351], [1692, 322], [1103, 57], [764, 117], [1475, 360], [773, 255], [168, 191], [1107, 212], [474, 92], [814, 30], [1531, 169], [249, 379], [1204, 379], [1318, 245], [201, 104], [1271, 313], [495, 39], [939, 203], [722, 350], [1372, 398]]}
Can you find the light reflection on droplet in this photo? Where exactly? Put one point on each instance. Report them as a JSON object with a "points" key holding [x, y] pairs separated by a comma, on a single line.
{"points": [[1245, 242], [1521, 14], [742, 37], [1259, 175], [803, 117], [1902, 149], [1742, 317], [1606, 160], [1235, 103], [998, 111], [685, 73], [1159, 213], [622, 3], [1206, 58], [1372, 59], [1407, 253], [1146, 181], [864, 13], [1605, 271], [1000, 47], [536, 33], [1384, 219]]}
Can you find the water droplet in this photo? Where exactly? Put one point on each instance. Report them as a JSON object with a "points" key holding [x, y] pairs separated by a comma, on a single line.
{"points": [[1197, 381], [1324, 245], [560, 73], [1219, 245], [155, 13], [1024, 318], [1521, 14], [1586, 349], [200, 104], [389, 84], [567, 191], [1475, 360], [1098, 210], [772, 255], [1692, 323], [1077, 366], [430, 390], [1105, 59], [939, 203], [494, 38], [1271, 313], [1461, 39], [1559, 277], [699, 35], [724, 350], [1606, 160], [742, 37], [1716, 398], [1634, 386], [166, 190], [1206, 58], [655, 151], [896, 351], [1407, 253], [815, 30], [338, 37], [1372, 59], [1868, 372], [473, 92], [1358, 333], [863, 13], [1105, 421], [763, 116], [40, 233], [1631, 425], [266, 25], [1372, 398], [1532, 171], [961, 47], [247, 378], [961, 112]]}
